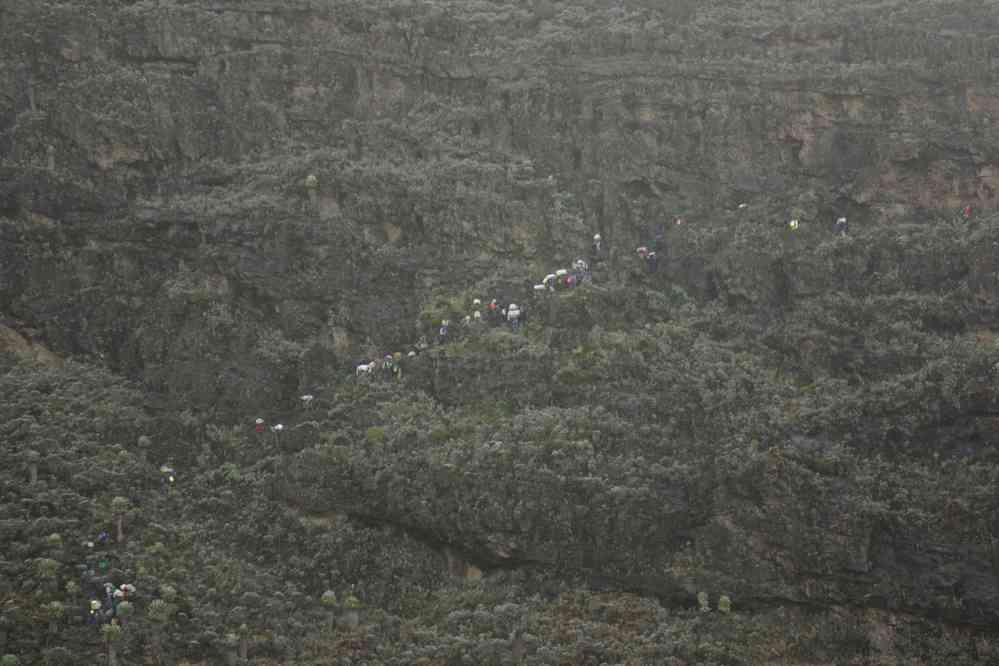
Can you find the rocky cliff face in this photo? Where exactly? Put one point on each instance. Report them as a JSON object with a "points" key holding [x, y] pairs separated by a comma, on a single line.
{"points": [[156, 216], [454, 144]]}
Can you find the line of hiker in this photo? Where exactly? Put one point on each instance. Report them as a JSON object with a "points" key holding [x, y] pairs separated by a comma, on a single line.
{"points": [[104, 607], [388, 366], [495, 313], [103, 597], [565, 278]]}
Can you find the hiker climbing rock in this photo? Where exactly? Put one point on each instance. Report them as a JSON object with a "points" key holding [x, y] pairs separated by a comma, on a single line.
{"points": [[109, 595], [596, 249], [494, 314], [967, 212], [259, 426], [513, 316], [167, 475], [95, 609], [842, 229], [652, 262], [443, 331], [307, 400]]}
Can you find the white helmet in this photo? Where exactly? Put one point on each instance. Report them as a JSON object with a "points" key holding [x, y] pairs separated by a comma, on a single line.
{"points": [[596, 237], [561, 272], [476, 302]]}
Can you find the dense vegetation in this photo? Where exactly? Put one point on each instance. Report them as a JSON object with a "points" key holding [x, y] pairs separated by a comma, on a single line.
{"points": [[497, 502], [780, 448]]}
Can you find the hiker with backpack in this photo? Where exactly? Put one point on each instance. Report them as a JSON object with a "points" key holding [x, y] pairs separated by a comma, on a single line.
{"points": [[513, 317]]}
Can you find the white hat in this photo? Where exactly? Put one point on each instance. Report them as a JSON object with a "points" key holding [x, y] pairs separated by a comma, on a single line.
{"points": [[308, 397], [596, 236], [743, 206], [476, 302], [411, 353], [513, 306], [259, 421], [842, 219], [477, 315], [278, 427], [560, 272]]}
